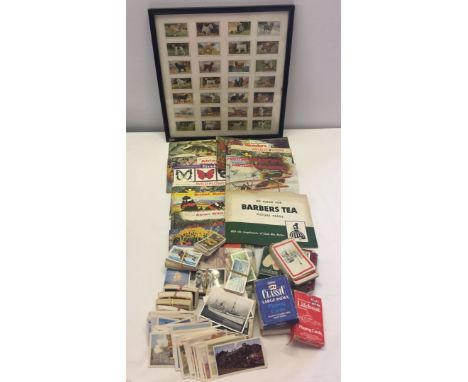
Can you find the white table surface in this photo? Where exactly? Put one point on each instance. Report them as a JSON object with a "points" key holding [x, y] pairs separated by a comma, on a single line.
{"points": [[317, 157]]}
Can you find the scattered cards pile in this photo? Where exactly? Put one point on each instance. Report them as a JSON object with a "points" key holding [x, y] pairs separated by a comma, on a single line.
{"points": [[218, 339], [201, 351], [292, 260]]}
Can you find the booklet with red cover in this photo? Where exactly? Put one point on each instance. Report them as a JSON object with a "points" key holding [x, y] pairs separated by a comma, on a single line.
{"points": [[309, 329]]}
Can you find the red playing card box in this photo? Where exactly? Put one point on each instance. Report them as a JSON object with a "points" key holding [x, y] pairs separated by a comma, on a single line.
{"points": [[309, 329]]}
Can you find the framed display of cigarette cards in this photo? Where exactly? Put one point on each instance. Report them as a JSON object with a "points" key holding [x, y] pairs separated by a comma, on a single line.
{"points": [[222, 71]]}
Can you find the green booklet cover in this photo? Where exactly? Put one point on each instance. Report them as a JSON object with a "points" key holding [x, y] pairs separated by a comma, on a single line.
{"points": [[263, 218]]}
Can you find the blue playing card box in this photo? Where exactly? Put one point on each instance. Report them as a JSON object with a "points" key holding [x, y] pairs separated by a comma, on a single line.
{"points": [[275, 301]]}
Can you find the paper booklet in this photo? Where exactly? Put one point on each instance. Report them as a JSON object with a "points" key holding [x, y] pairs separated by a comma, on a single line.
{"points": [[262, 218]]}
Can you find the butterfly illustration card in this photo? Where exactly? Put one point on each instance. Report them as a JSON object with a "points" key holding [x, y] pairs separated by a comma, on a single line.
{"points": [[197, 177]]}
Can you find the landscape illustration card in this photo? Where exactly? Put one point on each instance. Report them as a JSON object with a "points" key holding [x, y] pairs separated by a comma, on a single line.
{"points": [[275, 301], [239, 356], [262, 218], [277, 173], [161, 350], [204, 208], [188, 236], [177, 277]]}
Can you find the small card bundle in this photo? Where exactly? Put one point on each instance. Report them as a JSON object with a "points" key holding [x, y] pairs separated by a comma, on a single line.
{"points": [[293, 262], [275, 304], [238, 276], [309, 329], [183, 258], [171, 300], [210, 244], [245, 254]]}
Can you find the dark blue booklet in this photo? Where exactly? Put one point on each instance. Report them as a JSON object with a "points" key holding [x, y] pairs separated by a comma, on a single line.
{"points": [[275, 301]]}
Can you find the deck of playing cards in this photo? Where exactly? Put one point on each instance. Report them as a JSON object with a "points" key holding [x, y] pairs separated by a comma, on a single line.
{"points": [[309, 329], [183, 258], [275, 304], [210, 244], [292, 260]]}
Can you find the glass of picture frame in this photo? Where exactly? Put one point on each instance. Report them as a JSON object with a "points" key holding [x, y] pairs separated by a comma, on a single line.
{"points": [[222, 71]]}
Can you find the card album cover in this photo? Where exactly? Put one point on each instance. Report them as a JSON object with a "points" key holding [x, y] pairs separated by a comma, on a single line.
{"points": [[262, 218]]}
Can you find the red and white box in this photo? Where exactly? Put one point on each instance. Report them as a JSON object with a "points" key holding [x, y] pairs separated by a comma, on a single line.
{"points": [[309, 329]]}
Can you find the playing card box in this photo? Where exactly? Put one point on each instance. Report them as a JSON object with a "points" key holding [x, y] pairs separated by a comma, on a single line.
{"points": [[309, 329], [292, 260], [275, 302]]}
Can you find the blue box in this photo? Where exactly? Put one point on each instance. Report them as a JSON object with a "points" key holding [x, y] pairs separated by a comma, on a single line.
{"points": [[275, 301]]}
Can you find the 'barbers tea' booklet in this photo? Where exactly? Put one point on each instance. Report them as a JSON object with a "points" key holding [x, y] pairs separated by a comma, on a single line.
{"points": [[262, 218]]}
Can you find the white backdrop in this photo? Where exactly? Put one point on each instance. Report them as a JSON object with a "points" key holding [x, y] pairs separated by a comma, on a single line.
{"points": [[314, 79]]}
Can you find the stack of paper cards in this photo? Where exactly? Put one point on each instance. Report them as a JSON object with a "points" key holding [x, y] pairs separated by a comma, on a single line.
{"points": [[238, 276], [183, 258], [210, 244], [176, 299], [200, 351], [246, 255], [293, 262], [309, 329]]}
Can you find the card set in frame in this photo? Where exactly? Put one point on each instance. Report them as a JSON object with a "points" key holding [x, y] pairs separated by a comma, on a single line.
{"points": [[222, 71]]}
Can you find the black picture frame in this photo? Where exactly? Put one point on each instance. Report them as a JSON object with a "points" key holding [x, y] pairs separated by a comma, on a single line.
{"points": [[154, 12]]}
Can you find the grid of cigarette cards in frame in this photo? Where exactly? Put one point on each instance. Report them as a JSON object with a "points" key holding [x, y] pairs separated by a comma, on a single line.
{"points": [[222, 72]]}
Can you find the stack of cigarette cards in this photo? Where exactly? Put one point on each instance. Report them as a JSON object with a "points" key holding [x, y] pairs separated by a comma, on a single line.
{"points": [[210, 244], [183, 258], [238, 276]]}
